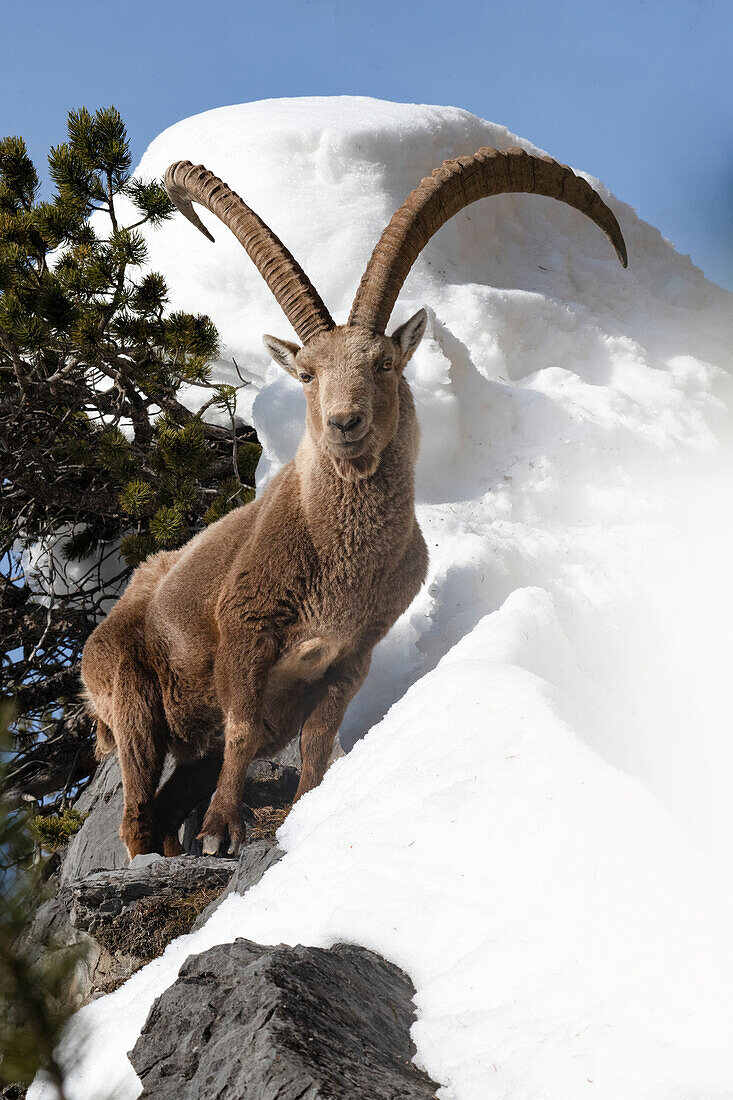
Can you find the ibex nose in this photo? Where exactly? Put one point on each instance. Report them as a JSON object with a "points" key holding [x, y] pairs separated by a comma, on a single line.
{"points": [[345, 422]]}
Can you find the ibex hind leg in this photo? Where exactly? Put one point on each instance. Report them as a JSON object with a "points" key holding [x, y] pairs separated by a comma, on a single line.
{"points": [[191, 782], [141, 735]]}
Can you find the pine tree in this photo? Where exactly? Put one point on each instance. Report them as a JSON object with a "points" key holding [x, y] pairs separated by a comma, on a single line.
{"points": [[35, 973], [102, 463]]}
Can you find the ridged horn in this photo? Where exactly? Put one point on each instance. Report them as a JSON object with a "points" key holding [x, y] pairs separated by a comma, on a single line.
{"points": [[299, 300], [445, 192]]}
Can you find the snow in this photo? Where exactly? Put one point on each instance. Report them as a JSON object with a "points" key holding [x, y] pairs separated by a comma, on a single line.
{"points": [[537, 825]]}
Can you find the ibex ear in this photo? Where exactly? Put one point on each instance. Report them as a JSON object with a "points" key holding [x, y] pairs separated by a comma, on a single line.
{"points": [[409, 335], [283, 352]]}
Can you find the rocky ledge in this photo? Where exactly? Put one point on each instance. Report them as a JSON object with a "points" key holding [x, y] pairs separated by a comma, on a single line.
{"points": [[121, 919], [242, 1020]]}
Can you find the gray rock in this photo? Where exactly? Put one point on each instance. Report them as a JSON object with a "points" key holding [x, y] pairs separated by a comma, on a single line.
{"points": [[255, 858], [105, 895], [115, 921], [52, 925], [282, 1023], [191, 828], [97, 845], [145, 859], [290, 756], [270, 783]]}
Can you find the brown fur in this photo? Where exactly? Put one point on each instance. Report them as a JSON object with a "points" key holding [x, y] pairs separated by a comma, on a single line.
{"points": [[262, 626]]}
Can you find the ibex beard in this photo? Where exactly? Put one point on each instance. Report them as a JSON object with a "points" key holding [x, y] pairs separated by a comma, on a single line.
{"points": [[262, 627]]}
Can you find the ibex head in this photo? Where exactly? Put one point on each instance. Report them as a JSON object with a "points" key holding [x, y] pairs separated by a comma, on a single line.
{"points": [[351, 381], [351, 373]]}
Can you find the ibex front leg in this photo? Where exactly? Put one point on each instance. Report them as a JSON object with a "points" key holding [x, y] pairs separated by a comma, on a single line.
{"points": [[241, 675], [322, 725]]}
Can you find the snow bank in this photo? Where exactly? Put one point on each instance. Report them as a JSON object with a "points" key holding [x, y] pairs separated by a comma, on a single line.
{"points": [[539, 831]]}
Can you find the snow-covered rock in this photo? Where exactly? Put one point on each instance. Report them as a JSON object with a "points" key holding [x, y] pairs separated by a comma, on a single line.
{"points": [[538, 831]]}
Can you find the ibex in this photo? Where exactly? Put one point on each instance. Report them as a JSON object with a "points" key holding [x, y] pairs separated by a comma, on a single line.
{"points": [[262, 627]]}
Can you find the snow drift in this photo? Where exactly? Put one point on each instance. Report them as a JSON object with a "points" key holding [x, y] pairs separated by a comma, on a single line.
{"points": [[537, 826]]}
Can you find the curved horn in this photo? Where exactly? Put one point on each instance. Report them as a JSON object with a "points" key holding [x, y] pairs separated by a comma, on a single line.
{"points": [[293, 290], [445, 192]]}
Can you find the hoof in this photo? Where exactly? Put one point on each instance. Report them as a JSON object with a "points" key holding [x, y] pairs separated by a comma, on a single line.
{"points": [[172, 846], [220, 845], [211, 845], [137, 843], [222, 833]]}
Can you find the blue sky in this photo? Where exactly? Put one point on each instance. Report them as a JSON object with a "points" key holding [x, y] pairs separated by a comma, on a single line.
{"points": [[639, 94]]}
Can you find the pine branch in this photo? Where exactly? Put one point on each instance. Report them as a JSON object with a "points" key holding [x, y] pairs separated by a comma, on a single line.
{"points": [[103, 463]]}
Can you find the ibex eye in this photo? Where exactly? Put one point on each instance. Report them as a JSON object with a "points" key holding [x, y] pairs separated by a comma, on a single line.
{"points": [[306, 377], [385, 365]]}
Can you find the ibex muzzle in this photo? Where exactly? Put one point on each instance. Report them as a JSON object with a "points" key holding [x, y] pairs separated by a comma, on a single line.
{"points": [[347, 424]]}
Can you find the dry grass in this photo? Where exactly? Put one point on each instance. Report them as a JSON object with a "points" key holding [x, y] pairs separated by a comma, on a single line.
{"points": [[145, 931], [268, 820]]}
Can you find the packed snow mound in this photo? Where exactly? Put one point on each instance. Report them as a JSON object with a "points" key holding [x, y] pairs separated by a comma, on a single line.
{"points": [[549, 913], [537, 825]]}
